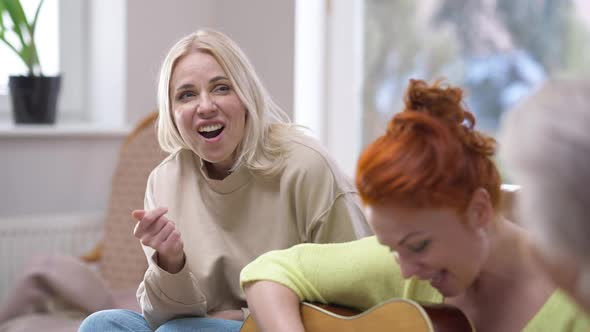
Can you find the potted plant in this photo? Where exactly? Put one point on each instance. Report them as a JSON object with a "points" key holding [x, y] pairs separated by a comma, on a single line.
{"points": [[34, 95]]}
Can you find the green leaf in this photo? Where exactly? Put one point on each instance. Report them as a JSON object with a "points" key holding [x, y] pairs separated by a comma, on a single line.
{"points": [[2, 9], [34, 23], [36, 64], [12, 10], [25, 54], [9, 45], [18, 17], [28, 52], [34, 59]]}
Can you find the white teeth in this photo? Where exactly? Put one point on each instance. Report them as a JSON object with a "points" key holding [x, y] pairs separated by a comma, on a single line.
{"points": [[210, 128]]}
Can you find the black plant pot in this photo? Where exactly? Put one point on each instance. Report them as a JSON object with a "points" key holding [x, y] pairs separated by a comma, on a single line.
{"points": [[34, 98]]}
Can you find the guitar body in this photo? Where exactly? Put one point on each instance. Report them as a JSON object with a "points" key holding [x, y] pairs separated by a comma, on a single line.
{"points": [[397, 315]]}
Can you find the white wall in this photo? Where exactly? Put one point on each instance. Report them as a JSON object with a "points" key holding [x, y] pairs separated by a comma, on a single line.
{"points": [[54, 173], [47, 173], [263, 28], [153, 26]]}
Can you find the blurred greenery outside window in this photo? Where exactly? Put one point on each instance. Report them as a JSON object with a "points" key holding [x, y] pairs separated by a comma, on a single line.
{"points": [[497, 50]]}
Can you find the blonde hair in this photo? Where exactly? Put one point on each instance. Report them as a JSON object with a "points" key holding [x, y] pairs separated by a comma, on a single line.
{"points": [[545, 142], [268, 128]]}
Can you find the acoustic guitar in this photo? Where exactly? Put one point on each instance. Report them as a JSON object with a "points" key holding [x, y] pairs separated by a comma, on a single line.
{"points": [[399, 315]]}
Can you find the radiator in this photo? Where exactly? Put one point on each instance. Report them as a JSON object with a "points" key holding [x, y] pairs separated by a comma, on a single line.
{"points": [[24, 237]]}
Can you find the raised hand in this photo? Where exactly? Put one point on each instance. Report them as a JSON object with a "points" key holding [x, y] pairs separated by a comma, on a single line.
{"points": [[154, 230]]}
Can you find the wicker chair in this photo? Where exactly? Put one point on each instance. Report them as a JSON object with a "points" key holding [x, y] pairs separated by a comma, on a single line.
{"points": [[118, 259]]}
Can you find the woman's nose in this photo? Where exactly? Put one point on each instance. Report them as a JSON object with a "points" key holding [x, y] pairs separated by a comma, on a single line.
{"points": [[408, 267], [206, 106]]}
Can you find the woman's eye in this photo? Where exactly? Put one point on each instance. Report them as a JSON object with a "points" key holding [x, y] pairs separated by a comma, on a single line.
{"points": [[420, 246], [185, 94], [221, 88]]}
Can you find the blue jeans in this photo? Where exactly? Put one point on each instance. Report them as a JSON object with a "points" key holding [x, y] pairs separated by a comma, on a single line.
{"points": [[125, 320]]}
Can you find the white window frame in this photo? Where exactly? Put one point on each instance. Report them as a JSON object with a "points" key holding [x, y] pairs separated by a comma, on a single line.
{"points": [[329, 75], [73, 32]]}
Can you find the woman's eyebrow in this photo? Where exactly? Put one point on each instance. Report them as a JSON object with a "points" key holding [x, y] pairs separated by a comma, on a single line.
{"points": [[218, 78], [185, 86]]}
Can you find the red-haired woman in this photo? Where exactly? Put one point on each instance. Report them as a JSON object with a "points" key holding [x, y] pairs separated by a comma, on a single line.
{"points": [[433, 198]]}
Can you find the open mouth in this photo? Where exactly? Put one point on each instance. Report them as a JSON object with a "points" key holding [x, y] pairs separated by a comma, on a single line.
{"points": [[438, 278], [211, 131]]}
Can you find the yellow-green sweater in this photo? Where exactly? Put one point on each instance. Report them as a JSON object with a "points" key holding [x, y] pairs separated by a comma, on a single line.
{"points": [[361, 274]]}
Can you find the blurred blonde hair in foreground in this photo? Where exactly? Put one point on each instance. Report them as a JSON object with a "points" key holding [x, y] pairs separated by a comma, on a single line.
{"points": [[545, 144]]}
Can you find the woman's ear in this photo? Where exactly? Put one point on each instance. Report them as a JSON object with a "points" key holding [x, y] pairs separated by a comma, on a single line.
{"points": [[479, 211]]}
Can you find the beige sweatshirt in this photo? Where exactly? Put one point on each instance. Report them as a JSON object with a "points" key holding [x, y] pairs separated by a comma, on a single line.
{"points": [[227, 223]]}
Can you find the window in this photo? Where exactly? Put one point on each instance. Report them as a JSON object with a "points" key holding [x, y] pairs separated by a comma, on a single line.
{"points": [[498, 50], [328, 75], [60, 39]]}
